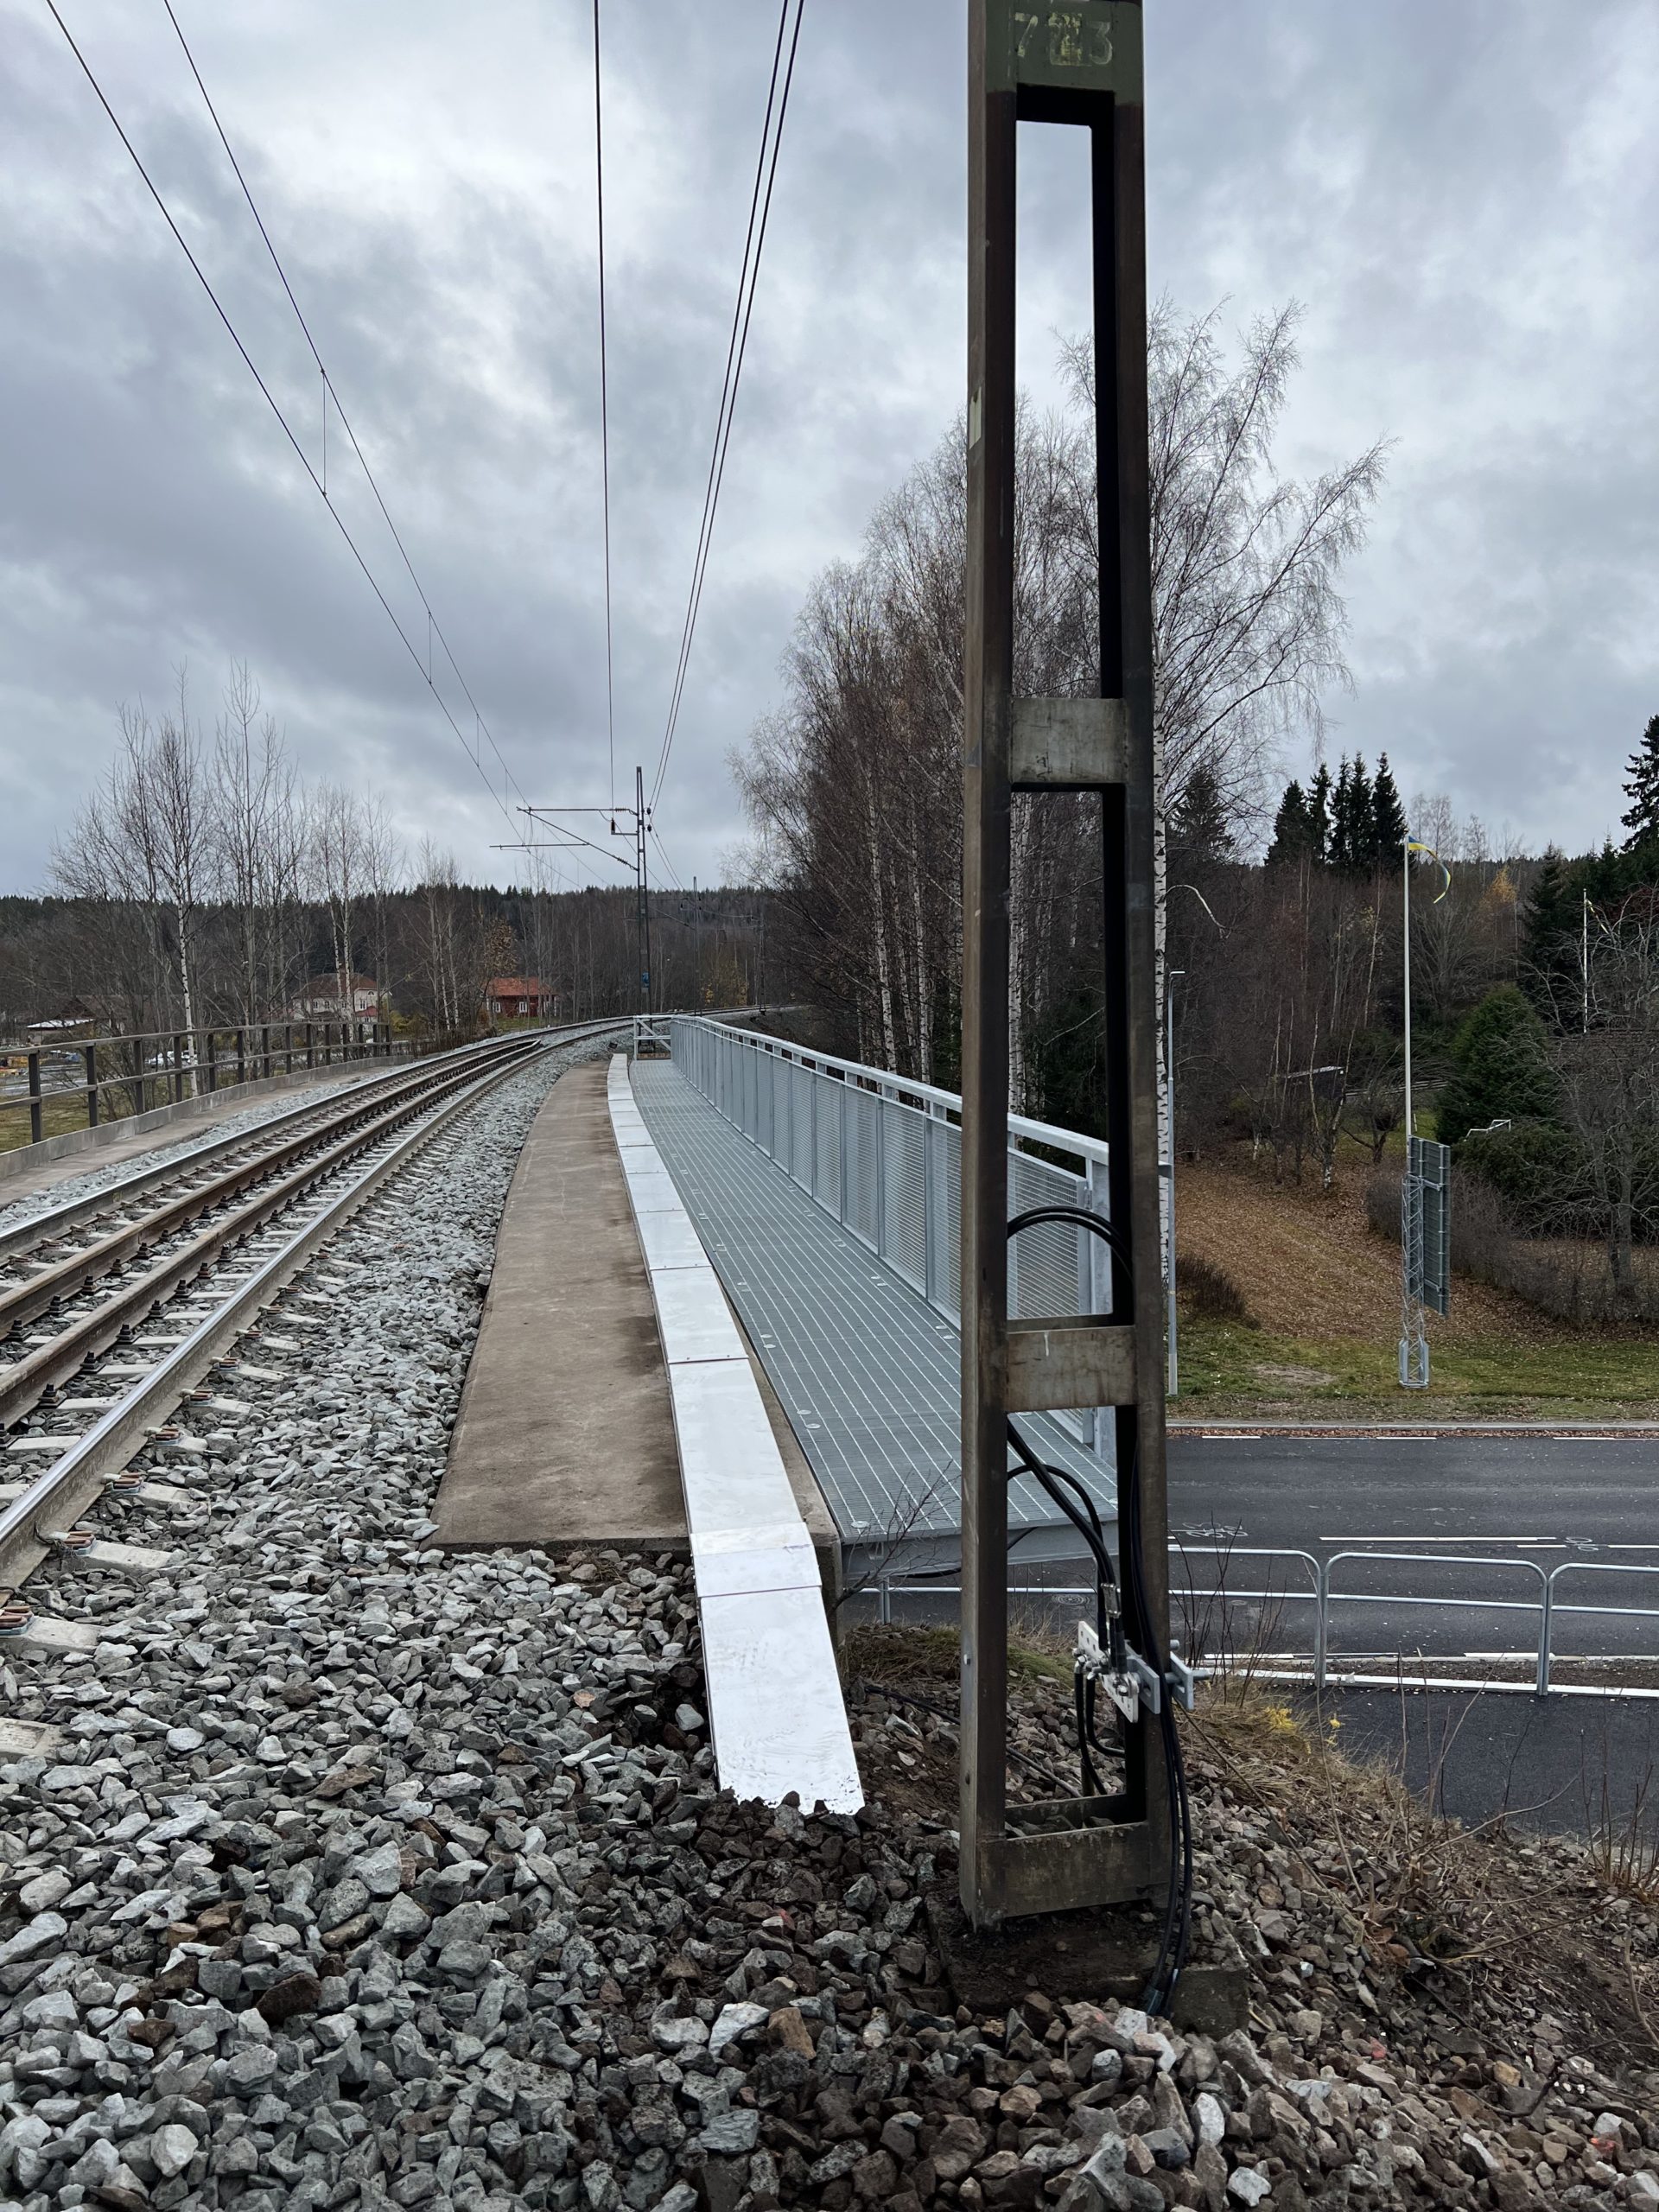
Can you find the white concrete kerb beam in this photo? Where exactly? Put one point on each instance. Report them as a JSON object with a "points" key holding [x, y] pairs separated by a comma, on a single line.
{"points": [[775, 1705]]}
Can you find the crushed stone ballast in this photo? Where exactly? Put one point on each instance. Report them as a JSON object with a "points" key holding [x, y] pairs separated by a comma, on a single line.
{"points": [[106, 1373]]}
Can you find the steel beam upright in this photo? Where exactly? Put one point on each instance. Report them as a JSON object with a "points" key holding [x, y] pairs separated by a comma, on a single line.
{"points": [[642, 889], [1078, 66]]}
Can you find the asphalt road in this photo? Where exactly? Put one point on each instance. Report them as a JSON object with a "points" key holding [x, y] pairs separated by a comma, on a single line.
{"points": [[1580, 1765], [1574, 1766], [1479, 1490], [1531, 1504]]}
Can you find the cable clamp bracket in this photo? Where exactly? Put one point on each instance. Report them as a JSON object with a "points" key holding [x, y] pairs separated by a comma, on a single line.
{"points": [[1129, 1686], [1134, 1686]]}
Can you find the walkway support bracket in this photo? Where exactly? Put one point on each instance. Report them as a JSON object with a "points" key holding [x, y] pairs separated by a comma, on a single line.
{"points": [[1078, 66]]}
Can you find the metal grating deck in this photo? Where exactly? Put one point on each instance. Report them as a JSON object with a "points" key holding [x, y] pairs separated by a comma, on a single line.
{"points": [[866, 1370]]}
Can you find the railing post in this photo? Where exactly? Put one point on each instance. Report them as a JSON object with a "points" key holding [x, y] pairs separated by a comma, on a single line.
{"points": [[241, 1056], [1321, 1623], [841, 1140], [929, 1208], [213, 1061], [178, 1066], [91, 1052], [36, 1122], [310, 1044], [1546, 1624], [881, 1099]]}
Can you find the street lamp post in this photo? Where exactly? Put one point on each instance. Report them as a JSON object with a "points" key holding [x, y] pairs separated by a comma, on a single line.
{"points": [[1173, 1377], [1413, 1332]]}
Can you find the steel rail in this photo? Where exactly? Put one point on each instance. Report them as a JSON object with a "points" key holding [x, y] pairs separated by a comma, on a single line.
{"points": [[32, 1523], [24, 1302], [26, 1381], [60, 1220]]}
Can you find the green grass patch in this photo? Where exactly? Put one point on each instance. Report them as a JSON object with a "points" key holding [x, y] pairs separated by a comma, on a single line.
{"points": [[1228, 1371]]}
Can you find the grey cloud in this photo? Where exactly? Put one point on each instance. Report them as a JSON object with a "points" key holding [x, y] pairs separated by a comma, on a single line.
{"points": [[1464, 200]]}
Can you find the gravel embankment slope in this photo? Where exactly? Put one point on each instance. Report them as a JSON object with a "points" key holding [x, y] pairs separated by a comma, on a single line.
{"points": [[362, 1875]]}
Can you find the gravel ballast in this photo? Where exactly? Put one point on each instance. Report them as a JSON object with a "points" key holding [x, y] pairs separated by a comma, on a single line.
{"points": [[361, 1874]]}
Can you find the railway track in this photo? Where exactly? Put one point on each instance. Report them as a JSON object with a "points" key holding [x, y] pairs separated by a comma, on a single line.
{"points": [[114, 1308]]}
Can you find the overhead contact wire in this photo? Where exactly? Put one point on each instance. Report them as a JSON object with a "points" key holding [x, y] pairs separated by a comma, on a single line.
{"points": [[269, 399], [603, 418], [737, 347], [331, 395]]}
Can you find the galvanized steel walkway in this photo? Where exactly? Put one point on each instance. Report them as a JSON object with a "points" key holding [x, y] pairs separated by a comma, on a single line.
{"points": [[866, 1370]]}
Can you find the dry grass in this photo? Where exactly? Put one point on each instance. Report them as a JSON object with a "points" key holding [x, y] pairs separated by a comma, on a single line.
{"points": [[1322, 1289], [1307, 1263], [1464, 1917], [1489, 1927]]}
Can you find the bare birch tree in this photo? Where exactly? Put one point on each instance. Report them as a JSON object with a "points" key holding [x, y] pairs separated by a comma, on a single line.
{"points": [[143, 842], [339, 865], [257, 824]]}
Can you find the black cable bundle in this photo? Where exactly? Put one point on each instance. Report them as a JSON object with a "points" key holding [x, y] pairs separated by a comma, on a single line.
{"points": [[1160, 1992]]}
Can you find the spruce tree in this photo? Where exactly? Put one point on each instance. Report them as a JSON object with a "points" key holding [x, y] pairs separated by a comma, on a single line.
{"points": [[1292, 828], [1318, 815], [1500, 1067], [1642, 789], [1550, 939], [1340, 849], [1350, 817], [1388, 816], [1361, 853], [1199, 827]]}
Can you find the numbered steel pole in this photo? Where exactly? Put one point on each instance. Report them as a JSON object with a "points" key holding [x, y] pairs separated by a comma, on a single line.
{"points": [[1080, 67]]}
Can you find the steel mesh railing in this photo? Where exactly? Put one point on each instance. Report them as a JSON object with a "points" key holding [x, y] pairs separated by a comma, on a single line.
{"points": [[881, 1154]]}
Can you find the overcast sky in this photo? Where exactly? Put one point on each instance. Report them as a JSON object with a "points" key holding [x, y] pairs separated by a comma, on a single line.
{"points": [[1466, 199]]}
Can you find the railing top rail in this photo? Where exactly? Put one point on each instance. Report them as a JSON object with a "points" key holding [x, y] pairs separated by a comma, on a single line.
{"points": [[903, 1086]]}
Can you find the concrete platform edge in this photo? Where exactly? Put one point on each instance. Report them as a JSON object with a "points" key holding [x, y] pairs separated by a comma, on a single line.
{"points": [[776, 1707]]}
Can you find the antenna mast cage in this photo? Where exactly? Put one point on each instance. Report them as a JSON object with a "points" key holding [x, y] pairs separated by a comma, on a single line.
{"points": [[1078, 66]]}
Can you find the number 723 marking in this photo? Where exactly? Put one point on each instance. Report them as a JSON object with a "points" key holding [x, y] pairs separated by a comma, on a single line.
{"points": [[1074, 42]]}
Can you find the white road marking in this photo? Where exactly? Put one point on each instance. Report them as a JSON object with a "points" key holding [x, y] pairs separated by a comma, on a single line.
{"points": [[1548, 1543]]}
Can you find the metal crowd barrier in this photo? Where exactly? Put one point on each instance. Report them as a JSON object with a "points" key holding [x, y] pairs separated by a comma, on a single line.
{"points": [[882, 1155], [1322, 1595]]}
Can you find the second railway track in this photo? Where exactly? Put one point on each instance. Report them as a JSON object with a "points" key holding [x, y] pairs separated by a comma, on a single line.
{"points": [[122, 1345]]}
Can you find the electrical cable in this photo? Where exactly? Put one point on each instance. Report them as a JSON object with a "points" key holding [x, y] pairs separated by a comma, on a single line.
{"points": [[1175, 1933], [564, 843], [663, 855], [271, 400], [737, 346], [604, 417], [1178, 1910], [1106, 1622], [331, 393]]}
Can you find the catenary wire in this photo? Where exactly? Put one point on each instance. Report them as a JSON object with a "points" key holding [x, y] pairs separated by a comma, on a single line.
{"points": [[564, 843], [668, 864], [742, 313], [603, 418], [331, 394], [731, 342], [271, 400]]}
